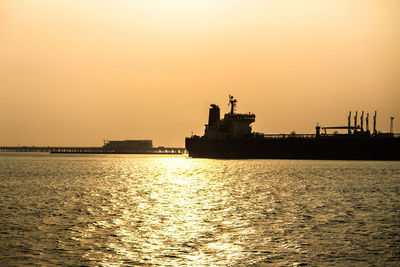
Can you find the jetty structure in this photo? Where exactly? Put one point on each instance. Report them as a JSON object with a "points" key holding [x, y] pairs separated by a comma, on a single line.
{"points": [[109, 147], [232, 137]]}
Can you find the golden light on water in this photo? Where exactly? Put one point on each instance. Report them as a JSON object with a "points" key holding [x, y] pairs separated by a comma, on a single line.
{"points": [[130, 210], [180, 211]]}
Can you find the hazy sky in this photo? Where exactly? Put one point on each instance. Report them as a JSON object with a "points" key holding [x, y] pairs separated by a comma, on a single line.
{"points": [[76, 72]]}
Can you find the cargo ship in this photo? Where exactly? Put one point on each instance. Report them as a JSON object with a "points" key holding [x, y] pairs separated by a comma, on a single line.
{"points": [[232, 138]]}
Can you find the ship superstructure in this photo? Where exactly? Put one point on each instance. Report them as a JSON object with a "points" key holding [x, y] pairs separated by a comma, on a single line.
{"points": [[233, 125], [232, 137]]}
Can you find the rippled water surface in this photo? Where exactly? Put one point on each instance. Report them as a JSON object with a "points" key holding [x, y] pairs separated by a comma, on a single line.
{"points": [[162, 210]]}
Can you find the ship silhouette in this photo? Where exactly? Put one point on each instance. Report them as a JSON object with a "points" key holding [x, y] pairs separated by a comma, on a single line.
{"points": [[232, 137]]}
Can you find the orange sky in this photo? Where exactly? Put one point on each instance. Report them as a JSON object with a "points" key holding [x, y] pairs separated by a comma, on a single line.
{"points": [[77, 72]]}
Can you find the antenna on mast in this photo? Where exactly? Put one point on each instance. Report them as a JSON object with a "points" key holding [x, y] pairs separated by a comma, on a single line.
{"points": [[232, 102]]}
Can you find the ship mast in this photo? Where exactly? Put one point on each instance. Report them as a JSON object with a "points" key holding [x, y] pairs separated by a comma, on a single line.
{"points": [[232, 102]]}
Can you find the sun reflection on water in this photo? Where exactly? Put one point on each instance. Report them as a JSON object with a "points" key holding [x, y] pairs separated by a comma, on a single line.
{"points": [[172, 210], [129, 210]]}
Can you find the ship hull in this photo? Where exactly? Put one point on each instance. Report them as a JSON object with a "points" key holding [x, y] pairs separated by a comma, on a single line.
{"points": [[345, 148]]}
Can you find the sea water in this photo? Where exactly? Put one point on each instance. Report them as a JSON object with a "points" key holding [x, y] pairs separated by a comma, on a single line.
{"points": [[114, 210]]}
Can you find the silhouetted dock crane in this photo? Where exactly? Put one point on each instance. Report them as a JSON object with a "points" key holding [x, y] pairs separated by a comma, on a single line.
{"points": [[355, 122], [356, 129], [349, 122], [362, 121], [391, 124]]}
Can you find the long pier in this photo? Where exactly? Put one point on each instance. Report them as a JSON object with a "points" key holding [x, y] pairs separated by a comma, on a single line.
{"points": [[93, 150]]}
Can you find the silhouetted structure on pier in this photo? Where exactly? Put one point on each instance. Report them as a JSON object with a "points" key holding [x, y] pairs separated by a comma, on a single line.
{"points": [[110, 147], [128, 145]]}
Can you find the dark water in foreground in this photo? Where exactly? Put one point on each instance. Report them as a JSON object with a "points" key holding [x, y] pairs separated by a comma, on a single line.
{"points": [[159, 210]]}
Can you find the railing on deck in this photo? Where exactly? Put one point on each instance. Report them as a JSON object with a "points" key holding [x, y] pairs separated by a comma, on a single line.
{"points": [[289, 135], [322, 135]]}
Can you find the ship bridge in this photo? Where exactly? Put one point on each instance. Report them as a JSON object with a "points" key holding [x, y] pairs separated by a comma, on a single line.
{"points": [[250, 118], [233, 125]]}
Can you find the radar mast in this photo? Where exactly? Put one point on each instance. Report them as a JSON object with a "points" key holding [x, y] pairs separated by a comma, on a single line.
{"points": [[232, 102]]}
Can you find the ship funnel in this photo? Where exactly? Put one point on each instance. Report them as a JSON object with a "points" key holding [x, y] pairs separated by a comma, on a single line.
{"points": [[213, 115]]}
